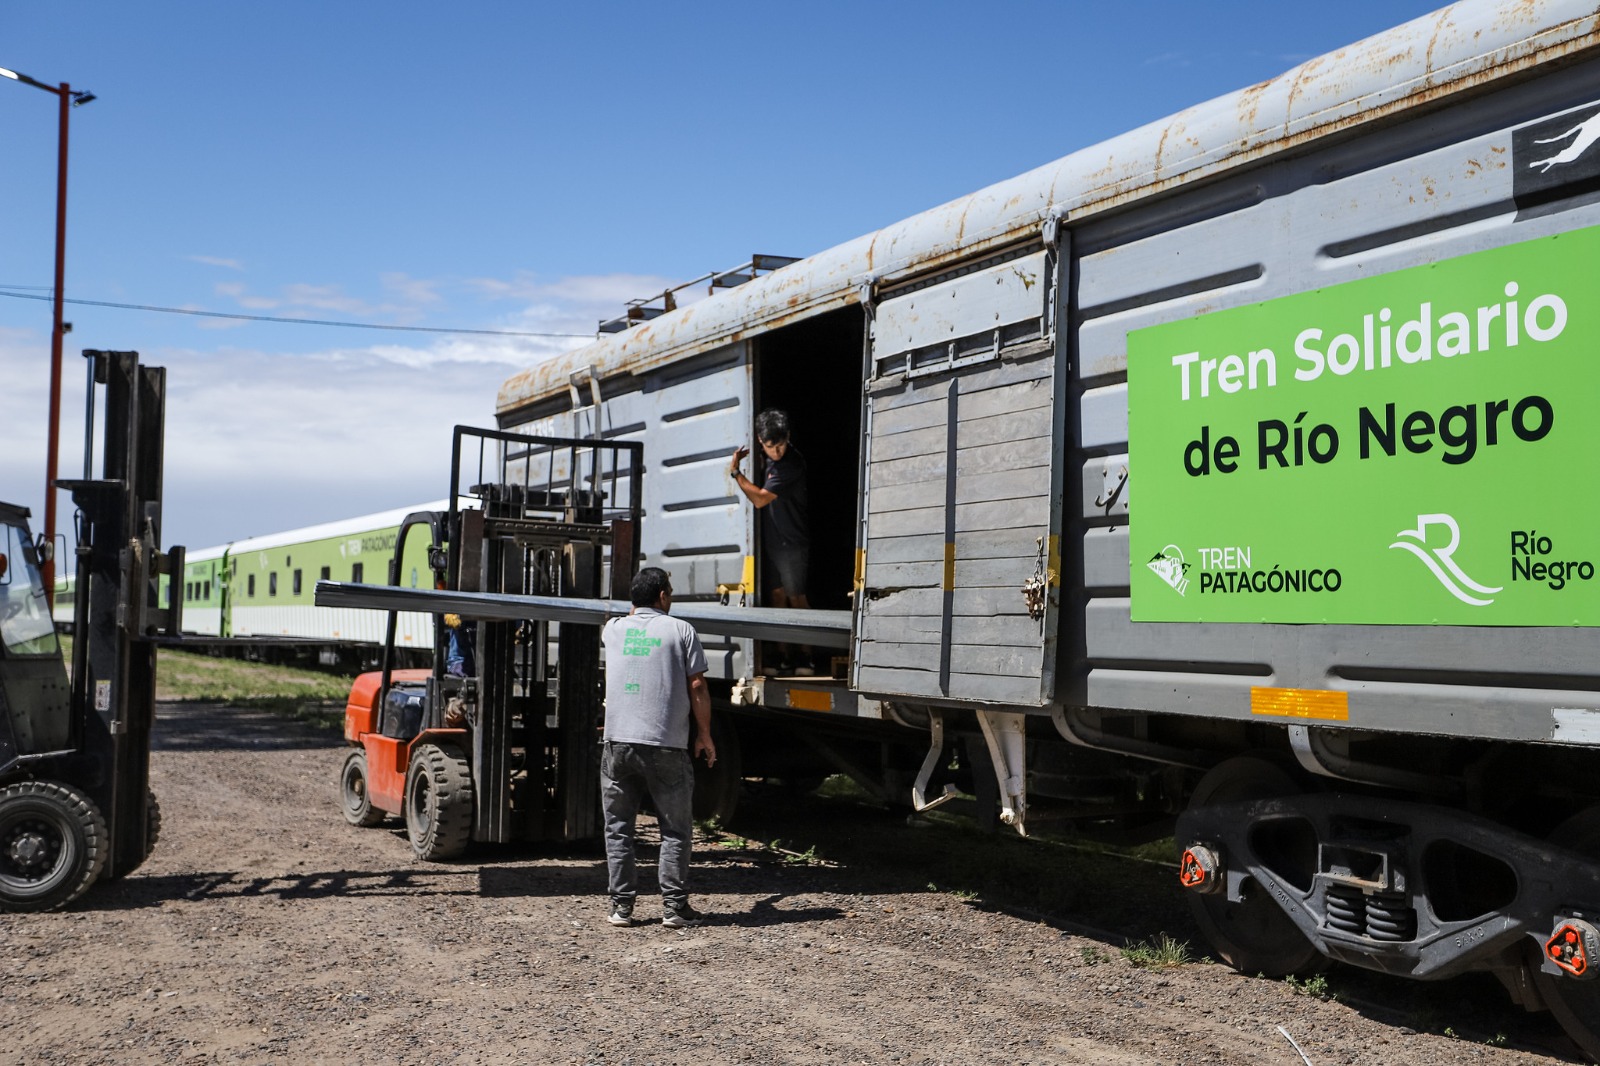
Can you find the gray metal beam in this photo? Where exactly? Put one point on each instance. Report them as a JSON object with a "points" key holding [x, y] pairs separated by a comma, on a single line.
{"points": [[828, 629]]}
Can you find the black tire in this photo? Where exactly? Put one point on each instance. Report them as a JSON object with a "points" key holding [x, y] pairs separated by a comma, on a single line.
{"points": [[1252, 935], [152, 819], [152, 828], [438, 802], [1573, 1003], [53, 845], [717, 788], [355, 799]]}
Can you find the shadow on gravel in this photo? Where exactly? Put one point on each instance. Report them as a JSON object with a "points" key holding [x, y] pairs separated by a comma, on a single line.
{"points": [[235, 727], [138, 892], [1078, 888]]}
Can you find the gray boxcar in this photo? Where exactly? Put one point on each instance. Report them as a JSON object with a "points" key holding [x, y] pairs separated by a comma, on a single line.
{"points": [[1353, 300]]}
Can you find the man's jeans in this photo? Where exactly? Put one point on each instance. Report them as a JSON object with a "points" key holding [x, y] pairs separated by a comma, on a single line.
{"points": [[627, 772]]}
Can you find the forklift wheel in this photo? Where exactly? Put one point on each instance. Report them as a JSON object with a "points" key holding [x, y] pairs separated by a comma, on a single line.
{"points": [[53, 844], [356, 800], [439, 802], [152, 831]]}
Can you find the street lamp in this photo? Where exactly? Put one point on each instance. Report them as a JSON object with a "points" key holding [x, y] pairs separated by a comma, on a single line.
{"points": [[69, 100]]}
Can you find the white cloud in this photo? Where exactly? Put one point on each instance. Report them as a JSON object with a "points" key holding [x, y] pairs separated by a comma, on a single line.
{"points": [[577, 303], [409, 299], [258, 443], [211, 260], [301, 295], [260, 440], [412, 291], [586, 289]]}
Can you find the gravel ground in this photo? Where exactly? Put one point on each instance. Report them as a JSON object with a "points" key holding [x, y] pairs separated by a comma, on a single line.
{"points": [[265, 930]]}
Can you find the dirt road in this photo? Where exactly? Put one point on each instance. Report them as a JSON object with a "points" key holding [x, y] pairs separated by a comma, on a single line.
{"points": [[264, 930]]}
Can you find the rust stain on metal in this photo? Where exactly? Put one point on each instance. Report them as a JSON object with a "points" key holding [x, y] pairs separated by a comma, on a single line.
{"points": [[1249, 103], [1433, 38]]}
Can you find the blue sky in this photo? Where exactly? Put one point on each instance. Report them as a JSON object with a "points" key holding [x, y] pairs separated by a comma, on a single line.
{"points": [[502, 166]]}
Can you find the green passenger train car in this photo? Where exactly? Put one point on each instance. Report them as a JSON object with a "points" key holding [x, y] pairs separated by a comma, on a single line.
{"points": [[255, 594]]}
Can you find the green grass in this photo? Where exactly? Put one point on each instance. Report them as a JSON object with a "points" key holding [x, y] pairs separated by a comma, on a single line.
{"points": [[186, 676], [1315, 986], [1159, 952], [306, 694]]}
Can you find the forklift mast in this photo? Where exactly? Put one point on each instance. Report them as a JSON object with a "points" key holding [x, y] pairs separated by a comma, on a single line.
{"points": [[118, 610], [500, 742], [553, 517]]}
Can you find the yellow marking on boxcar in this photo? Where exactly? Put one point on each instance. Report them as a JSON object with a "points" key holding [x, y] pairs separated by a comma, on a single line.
{"points": [[1322, 704], [806, 699]]}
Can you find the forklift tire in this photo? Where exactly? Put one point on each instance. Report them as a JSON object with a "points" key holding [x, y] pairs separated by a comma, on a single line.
{"points": [[53, 844], [439, 802], [152, 828], [355, 800]]}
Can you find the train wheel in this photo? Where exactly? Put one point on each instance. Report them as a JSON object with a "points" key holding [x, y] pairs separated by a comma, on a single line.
{"points": [[354, 798], [439, 802], [1253, 934], [1574, 1003], [53, 844]]}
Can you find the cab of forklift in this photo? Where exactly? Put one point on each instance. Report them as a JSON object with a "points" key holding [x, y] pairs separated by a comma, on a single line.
{"points": [[34, 692]]}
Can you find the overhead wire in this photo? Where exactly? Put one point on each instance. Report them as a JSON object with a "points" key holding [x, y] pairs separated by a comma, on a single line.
{"points": [[291, 321]]}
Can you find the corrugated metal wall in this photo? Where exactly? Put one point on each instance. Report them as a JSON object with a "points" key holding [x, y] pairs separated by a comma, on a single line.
{"points": [[1427, 189], [958, 502], [691, 416]]}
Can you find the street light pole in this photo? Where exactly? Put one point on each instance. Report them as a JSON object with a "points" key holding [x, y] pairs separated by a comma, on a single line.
{"points": [[68, 100]]}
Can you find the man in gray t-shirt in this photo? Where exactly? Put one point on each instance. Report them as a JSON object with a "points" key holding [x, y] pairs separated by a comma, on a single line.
{"points": [[655, 682]]}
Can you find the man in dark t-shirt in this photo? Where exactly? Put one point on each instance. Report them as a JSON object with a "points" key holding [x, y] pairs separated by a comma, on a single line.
{"points": [[785, 524]]}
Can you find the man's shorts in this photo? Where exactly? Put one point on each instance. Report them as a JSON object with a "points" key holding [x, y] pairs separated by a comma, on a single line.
{"points": [[786, 567]]}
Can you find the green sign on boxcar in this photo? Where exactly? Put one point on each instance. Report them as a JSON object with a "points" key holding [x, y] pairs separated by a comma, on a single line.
{"points": [[1416, 448]]}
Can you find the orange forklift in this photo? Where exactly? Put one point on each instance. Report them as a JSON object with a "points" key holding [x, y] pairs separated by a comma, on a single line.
{"points": [[499, 740]]}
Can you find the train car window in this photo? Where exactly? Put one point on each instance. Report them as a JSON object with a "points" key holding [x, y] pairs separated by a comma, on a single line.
{"points": [[355, 573], [272, 583], [297, 582], [250, 586], [207, 594], [327, 572]]}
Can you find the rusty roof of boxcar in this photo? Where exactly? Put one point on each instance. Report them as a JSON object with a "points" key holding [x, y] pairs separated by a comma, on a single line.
{"points": [[1457, 48]]}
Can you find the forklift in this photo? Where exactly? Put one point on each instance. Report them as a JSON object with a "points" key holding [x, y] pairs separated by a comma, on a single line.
{"points": [[75, 799], [499, 741]]}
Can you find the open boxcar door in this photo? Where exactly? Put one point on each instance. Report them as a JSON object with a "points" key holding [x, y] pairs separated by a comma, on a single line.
{"points": [[958, 546]]}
